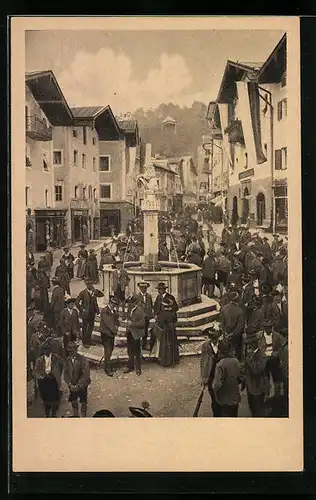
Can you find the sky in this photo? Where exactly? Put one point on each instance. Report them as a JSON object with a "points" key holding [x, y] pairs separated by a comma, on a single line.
{"points": [[132, 69]]}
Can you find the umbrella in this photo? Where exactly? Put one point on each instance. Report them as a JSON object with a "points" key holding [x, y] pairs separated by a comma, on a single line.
{"points": [[199, 402]]}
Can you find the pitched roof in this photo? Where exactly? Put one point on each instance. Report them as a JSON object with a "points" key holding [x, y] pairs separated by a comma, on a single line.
{"points": [[275, 64], [128, 125], [87, 111], [169, 119], [234, 71]]}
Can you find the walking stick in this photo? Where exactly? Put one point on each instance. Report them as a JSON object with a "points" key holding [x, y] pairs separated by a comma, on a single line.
{"points": [[199, 402]]}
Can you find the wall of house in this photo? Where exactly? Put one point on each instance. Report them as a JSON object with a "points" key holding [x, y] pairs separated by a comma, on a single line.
{"points": [[37, 179], [117, 174]]}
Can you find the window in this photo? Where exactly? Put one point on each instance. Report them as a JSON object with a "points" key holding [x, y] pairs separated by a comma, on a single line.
{"points": [[58, 193], [45, 164], [46, 198], [83, 160], [84, 192], [282, 109], [27, 195], [94, 194], [246, 160], [281, 159], [75, 157], [104, 163], [105, 191], [94, 164], [84, 135], [94, 141], [90, 192], [76, 191], [74, 133], [283, 79], [57, 157], [28, 162]]}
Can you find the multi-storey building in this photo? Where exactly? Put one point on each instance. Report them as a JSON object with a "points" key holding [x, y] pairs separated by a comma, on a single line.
{"points": [[45, 110], [189, 176], [273, 92]]}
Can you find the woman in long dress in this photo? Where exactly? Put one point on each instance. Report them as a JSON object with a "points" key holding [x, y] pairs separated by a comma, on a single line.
{"points": [[166, 308], [82, 256], [92, 267]]}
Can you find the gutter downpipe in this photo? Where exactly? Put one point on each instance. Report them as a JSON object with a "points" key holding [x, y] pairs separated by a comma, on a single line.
{"points": [[269, 103]]}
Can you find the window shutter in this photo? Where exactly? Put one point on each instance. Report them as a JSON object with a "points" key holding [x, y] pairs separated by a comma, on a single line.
{"points": [[280, 110], [278, 159]]}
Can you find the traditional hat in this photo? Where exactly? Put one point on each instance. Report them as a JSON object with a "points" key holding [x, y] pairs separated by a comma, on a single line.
{"points": [[267, 322], [233, 295], [113, 299], [88, 280], [162, 285], [139, 412], [266, 289], [103, 414], [70, 300], [143, 283], [265, 238]]}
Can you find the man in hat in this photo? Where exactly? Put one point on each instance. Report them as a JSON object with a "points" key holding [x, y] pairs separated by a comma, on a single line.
{"points": [[61, 272], [210, 355], [82, 263], [47, 371], [223, 269], [87, 305], [276, 243], [135, 331], [77, 378], [256, 378], [120, 282], [266, 249], [251, 289], [69, 259], [227, 378], [92, 266], [208, 273], [57, 304], [109, 323], [269, 308], [69, 321], [265, 276], [106, 257], [233, 322], [280, 301], [147, 301]]}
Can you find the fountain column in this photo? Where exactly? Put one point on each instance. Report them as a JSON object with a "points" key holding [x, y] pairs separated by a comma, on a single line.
{"points": [[150, 208]]}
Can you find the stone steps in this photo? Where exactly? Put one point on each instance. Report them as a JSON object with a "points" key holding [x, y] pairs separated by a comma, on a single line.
{"points": [[95, 353]]}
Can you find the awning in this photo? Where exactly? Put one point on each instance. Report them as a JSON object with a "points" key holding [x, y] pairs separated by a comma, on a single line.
{"points": [[218, 200]]}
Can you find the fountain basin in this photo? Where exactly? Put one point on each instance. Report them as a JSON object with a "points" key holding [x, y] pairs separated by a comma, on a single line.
{"points": [[183, 280]]}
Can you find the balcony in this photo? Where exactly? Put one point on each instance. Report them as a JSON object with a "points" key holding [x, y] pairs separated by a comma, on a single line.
{"points": [[38, 129], [235, 133]]}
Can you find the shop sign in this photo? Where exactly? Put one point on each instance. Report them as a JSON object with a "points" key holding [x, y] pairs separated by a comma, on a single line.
{"points": [[78, 204], [246, 173]]}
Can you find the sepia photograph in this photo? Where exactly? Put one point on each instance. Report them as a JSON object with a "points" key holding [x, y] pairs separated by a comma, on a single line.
{"points": [[156, 223]]}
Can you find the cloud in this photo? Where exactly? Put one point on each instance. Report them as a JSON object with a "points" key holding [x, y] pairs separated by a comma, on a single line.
{"points": [[106, 77]]}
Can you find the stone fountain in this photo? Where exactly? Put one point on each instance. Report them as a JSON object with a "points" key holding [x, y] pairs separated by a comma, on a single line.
{"points": [[196, 311]]}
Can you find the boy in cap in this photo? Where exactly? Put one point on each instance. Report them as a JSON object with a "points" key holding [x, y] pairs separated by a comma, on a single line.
{"points": [[77, 378], [69, 321], [109, 323], [147, 301]]}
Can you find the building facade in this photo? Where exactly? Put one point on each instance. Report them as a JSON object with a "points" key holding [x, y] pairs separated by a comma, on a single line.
{"points": [[45, 110], [189, 179]]}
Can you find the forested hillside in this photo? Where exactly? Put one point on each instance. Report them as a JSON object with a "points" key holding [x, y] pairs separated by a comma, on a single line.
{"points": [[191, 126]]}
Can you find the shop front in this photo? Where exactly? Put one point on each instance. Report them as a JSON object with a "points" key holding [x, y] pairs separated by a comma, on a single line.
{"points": [[281, 206], [49, 229], [80, 225]]}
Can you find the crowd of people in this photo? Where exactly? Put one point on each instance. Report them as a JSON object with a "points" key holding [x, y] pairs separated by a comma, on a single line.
{"points": [[246, 349]]}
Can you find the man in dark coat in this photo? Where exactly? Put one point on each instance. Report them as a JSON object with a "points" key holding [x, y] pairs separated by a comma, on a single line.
{"points": [[256, 377], [109, 323], [87, 305], [280, 301], [57, 304], [120, 282], [77, 378], [210, 355], [251, 289], [69, 259], [69, 322], [135, 331], [147, 300], [208, 273], [276, 244], [233, 322], [266, 249], [265, 276], [61, 272]]}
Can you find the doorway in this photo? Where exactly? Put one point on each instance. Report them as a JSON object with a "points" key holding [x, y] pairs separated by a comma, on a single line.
{"points": [[109, 221], [261, 209], [245, 206], [40, 235], [77, 227]]}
